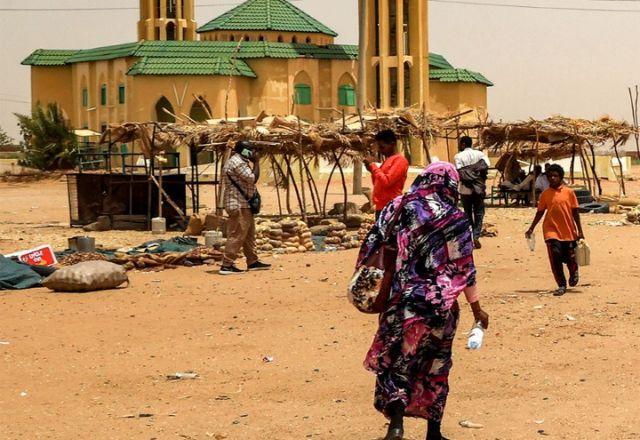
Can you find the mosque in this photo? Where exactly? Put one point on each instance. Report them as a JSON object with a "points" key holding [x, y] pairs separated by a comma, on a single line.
{"points": [[262, 55]]}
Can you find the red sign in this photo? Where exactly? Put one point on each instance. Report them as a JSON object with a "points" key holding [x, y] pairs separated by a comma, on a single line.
{"points": [[40, 256]]}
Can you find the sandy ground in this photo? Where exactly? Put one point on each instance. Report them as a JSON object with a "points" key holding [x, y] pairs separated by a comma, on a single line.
{"points": [[77, 365]]}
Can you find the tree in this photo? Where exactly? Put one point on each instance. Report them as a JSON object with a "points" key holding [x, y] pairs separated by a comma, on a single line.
{"points": [[5, 139], [48, 141]]}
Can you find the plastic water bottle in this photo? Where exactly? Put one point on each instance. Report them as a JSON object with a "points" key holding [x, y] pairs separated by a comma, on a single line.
{"points": [[531, 241], [476, 337]]}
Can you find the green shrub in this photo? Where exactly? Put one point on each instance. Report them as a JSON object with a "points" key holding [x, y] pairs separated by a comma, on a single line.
{"points": [[48, 141]]}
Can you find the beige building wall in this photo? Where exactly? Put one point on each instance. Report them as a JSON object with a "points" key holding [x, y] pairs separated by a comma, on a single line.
{"points": [[451, 98], [51, 84]]}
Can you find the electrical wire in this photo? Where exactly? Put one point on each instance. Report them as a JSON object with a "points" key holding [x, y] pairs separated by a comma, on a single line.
{"points": [[547, 8]]}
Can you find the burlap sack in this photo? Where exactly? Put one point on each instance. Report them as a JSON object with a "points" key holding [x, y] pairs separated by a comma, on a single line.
{"points": [[196, 226], [87, 277]]}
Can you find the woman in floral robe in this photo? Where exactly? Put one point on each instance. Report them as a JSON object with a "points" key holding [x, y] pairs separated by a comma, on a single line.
{"points": [[411, 352]]}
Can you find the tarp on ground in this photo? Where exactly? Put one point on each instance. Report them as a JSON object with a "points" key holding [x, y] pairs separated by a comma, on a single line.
{"points": [[14, 276]]}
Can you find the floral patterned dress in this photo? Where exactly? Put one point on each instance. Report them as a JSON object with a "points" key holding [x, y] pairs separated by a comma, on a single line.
{"points": [[411, 352]]}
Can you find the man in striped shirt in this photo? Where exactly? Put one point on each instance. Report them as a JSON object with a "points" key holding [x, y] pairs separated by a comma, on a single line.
{"points": [[239, 179]]}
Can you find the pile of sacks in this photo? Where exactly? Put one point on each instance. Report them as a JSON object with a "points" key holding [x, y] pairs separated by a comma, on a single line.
{"points": [[335, 234], [286, 236], [633, 216], [365, 227]]}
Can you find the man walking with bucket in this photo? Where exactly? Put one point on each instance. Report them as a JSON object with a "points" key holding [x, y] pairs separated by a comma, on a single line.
{"points": [[562, 228]]}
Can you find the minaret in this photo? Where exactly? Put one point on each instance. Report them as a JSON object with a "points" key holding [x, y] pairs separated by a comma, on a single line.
{"points": [[167, 20], [397, 55]]}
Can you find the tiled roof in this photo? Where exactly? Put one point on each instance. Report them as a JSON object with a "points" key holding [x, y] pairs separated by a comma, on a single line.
{"points": [[438, 62], [191, 66], [458, 75], [104, 53], [201, 57], [248, 49], [49, 57], [267, 15]]}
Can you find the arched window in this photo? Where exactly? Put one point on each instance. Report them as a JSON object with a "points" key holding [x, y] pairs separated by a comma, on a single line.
{"points": [[280, 39], [84, 92], [162, 116], [247, 38], [294, 39], [308, 40], [347, 95], [200, 111], [406, 17], [393, 87], [171, 8], [407, 85], [261, 38], [171, 31], [232, 38], [302, 94], [103, 95], [393, 28], [378, 87]]}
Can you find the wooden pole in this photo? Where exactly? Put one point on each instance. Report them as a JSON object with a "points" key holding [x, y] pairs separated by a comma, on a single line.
{"points": [[362, 84], [300, 165], [593, 169], [344, 187], [622, 185], [293, 182], [634, 113], [573, 164], [326, 190], [275, 182]]}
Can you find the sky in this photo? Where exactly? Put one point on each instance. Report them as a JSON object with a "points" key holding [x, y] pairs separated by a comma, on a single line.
{"points": [[543, 62]]}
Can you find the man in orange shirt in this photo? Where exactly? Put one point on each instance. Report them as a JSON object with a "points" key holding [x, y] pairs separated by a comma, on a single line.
{"points": [[562, 228], [390, 177]]}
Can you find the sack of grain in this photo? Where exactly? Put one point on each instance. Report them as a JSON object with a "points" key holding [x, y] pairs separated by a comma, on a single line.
{"points": [[87, 277]]}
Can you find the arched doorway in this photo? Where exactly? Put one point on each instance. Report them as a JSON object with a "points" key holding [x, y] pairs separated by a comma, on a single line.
{"points": [[171, 31], [200, 111], [162, 116]]}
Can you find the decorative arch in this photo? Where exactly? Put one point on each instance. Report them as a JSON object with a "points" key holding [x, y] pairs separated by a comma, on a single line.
{"points": [[104, 91], [347, 90], [407, 83], [122, 89], [84, 91], [200, 111], [378, 86], [161, 115], [302, 89], [171, 31]]}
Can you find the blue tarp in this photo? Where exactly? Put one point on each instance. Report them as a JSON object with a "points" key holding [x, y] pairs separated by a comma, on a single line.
{"points": [[14, 276]]}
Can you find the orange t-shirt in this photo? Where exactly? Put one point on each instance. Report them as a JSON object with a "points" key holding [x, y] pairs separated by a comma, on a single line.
{"points": [[388, 180], [559, 223]]}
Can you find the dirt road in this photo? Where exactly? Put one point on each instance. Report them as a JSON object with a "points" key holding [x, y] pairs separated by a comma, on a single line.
{"points": [[81, 366]]}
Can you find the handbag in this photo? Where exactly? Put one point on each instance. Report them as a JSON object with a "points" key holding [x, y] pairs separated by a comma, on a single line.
{"points": [[370, 287], [254, 202]]}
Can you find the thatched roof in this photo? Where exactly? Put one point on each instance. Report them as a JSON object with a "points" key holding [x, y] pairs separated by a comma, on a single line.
{"points": [[553, 138], [278, 134]]}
